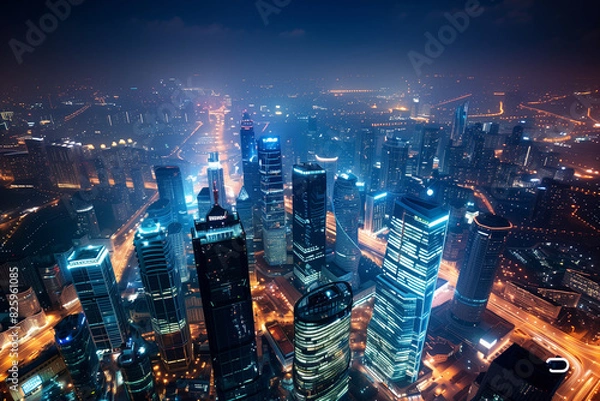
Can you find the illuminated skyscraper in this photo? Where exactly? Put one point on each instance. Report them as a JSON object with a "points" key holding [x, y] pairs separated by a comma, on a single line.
{"points": [[309, 203], [96, 286], [394, 165], [375, 211], [222, 263], [460, 124], [346, 209], [162, 284], [322, 343], [273, 212], [430, 139], [170, 186], [484, 246], [404, 292], [137, 372], [75, 344], [249, 158], [87, 222], [66, 168], [216, 177]]}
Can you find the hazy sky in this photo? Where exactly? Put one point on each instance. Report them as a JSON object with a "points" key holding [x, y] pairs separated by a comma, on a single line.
{"points": [[221, 40]]}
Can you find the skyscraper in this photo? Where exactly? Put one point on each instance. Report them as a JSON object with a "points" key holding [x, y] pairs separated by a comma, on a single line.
{"points": [[162, 284], [75, 344], [204, 203], [430, 139], [216, 177], [460, 124], [404, 291], [273, 212], [309, 203], [170, 186], [394, 165], [249, 158], [322, 343], [221, 260], [346, 209], [484, 246], [87, 222], [96, 286], [375, 211], [137, 372], [64, 160]]}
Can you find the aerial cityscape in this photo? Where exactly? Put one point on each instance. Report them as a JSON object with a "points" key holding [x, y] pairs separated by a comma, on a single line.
{"points": [[300, 201]]}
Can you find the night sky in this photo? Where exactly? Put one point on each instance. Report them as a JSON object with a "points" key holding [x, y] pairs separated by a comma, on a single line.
{"points": [[127, 41]]}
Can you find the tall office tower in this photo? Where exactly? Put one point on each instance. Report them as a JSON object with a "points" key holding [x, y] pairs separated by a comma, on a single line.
{"points": [[346, 209], [134, 363], [309, 183], [329, 164], [245, 208], [404, 291], [312, 137], [100, 165], [64, 160], [162, 283], [459, 124], [75, 344], [38, 158], [375, 211], [273, 212], [322, 343], [53, 281], [484, 246], [393, 168], [139, 187], [204, 203], [87, 222], [177, 238], [160, 212], [366, 153], [96, 286], [220, 252], [249, 159], [518, 375], [248, 142], [216, 177], [430, 139], [170, 186]]}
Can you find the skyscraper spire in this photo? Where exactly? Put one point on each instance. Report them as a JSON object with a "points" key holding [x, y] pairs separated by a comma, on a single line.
{"points": [[215, 192]]}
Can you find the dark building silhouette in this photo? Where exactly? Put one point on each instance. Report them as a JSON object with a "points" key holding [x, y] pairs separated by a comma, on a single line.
{"points": [[170, 186], [138, 378], [430, 139], [484, 246]]}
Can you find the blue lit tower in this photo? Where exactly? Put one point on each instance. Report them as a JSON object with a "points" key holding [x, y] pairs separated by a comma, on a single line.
{"points": [[162, 283], [222, 264], [96, 286], [309, 183], [170, 186], [430, 139], [216, 177], [77, 348], [134, 363], [404, 291], [484, 246], [346, 209], [249, 158], [322, 343], [460, 124], [393, 168], [273, 212]]}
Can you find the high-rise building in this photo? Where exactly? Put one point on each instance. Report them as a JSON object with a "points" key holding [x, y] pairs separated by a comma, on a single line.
{"points": [[309, 183], [375, 211], [170, 186], [394, 165], [65, 162], [485, 244], [273, 212], [430, 139], [322, 343], [53, 280], [404, 291], [249, 158], [204, 202], [139, 186], [87, 222], [366, 153], [96, 286], [459, 124], [36, 149], [245, 208], [75, 344], [346, 209], [222, 264], [216, 178], [162, 284], [134, 363], [518, 375]]}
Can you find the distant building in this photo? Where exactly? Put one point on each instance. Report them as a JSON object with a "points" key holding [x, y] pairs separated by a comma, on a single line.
{"points": [[322, 343], [65, 162], [459, 124], [532, 301], [394, 165], [204, 202], [430, 139], [170, 186], [309, 208], [216, 178], [583, 283], [375, 211]]}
